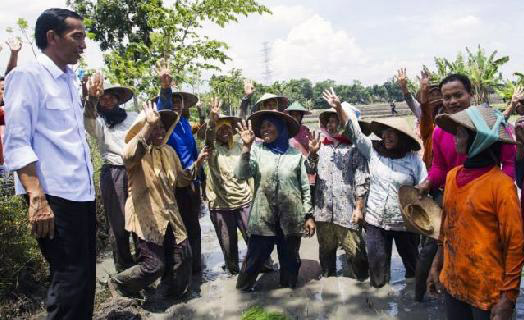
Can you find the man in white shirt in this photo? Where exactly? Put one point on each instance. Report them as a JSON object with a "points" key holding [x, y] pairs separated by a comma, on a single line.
{"points": [[45, 143]]}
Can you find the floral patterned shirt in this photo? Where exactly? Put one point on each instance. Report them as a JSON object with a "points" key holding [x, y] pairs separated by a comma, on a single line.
{"points": [[342, 177]]}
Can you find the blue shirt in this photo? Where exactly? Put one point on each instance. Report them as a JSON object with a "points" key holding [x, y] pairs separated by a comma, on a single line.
{"points": [[182, 137]]}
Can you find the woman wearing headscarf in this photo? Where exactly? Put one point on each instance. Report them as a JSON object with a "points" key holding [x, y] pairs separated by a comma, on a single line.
{"points": [[151, 210], [342, 180], [108, 122], [480, 254], [280, 213], [182, 141], [392, 162], [229, 198]]}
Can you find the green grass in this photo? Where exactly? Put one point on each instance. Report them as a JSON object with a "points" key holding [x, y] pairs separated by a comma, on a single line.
{"points": [[258, 313]]}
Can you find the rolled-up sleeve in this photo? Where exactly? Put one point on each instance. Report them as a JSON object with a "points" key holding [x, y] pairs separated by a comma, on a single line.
{"points": [[21, 111]]}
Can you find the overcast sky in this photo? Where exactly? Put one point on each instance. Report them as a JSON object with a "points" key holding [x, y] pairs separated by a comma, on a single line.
{"points": [[343, 39]]}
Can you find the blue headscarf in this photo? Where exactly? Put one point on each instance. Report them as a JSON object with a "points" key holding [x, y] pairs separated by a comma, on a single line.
{"points": [[485, 136], [281, 143]]}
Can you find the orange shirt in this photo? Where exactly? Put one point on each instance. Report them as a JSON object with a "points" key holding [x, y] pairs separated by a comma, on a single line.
{"points": [[482, 237], [426, 128]]}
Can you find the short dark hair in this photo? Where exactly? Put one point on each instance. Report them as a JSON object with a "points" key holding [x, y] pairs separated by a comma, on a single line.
{"points": [[52, 19], [457, 77], [2, 78]]}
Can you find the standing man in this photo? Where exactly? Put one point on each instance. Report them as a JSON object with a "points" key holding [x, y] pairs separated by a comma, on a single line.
{"points": [[45, 143]]}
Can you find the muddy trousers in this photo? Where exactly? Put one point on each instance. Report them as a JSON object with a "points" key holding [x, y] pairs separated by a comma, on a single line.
{"points": [[71, 255], [113, 187], [459, 310], [425, 259], [379, 244], [170, 261], [226, 223], [259, 249], [189, 202], [330, 236]]}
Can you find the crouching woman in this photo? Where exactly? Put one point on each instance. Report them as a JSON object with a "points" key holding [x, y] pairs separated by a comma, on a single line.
{"points": [[281, 206], [152, 213]]}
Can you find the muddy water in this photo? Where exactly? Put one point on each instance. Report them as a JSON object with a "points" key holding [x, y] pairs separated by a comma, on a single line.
{"points": [[215, 297]]}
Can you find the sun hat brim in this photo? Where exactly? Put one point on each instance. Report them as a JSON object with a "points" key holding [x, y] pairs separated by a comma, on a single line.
{"points": [[257, 117]]}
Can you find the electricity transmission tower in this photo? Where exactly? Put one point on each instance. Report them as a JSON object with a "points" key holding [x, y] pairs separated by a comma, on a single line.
{"points": [[266, 50]]}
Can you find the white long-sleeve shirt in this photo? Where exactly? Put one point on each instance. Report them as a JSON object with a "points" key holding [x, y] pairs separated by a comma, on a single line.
{"points": [[44, 124]]}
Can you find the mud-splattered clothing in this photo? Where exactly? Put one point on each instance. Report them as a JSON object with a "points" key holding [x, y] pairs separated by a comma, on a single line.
{"points": [[342, 177], [282, 195], [426, 128], [386, 177], [330, 237], [154, 172], [483, 239], [223, 189]]}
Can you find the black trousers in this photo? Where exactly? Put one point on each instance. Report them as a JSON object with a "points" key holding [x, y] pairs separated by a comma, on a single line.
{"points": [[259, 249], [170, 261], [189, 202], [425, 259], [72, 259], [379, 244], [459, 310], [113, 188]]}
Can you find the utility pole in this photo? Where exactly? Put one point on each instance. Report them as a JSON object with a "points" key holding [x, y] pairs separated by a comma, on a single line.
{"points": [[266, 50]]}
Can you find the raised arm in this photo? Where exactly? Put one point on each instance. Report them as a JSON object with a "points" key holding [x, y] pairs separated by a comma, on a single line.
{"points": [[312, 159], [352, 128], [412, 103], [517, 101], [95, 89], [15, 45], [136, 148], [247, 165], [249, 89], [165, 100]]}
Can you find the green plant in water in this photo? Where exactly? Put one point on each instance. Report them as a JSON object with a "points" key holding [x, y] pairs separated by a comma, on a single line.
{"points": [[258, 313]]}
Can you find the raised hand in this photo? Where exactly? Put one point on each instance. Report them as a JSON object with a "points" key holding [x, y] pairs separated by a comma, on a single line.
{"points": [[402, 80], [164, 73], [314, 142], [214, 111], [95, 85], [14, 44], [424, 86], [332, 99], [246, 133], [152, 116], [249, 88], [518, 96], [203, 156]]}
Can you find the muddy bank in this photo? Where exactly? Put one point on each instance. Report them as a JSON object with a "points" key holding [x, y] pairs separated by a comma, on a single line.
{"points": [[215, 296]]}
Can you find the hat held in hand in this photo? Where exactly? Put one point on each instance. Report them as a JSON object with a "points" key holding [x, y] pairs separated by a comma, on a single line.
{"points": [[421, 216]]}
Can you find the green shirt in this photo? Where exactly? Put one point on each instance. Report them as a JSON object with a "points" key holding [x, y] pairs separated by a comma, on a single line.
{"points": [[223, 189], [281, 190]]}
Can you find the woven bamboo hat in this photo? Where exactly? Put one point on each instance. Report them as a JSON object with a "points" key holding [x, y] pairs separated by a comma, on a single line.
{"points": [[257, 117], [450, 122], [420, 215], [324, 117], [169, 120], [296, 106], [189, 99], [282, 101], [378, 126], [123, 94]]}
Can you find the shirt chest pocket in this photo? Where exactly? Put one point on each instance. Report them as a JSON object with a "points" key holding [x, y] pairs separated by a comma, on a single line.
{"points": [[57, 103], [58, 113]]}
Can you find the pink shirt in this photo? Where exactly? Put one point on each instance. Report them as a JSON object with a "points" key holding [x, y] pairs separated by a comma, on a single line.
{"points": [[445, 158]]}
